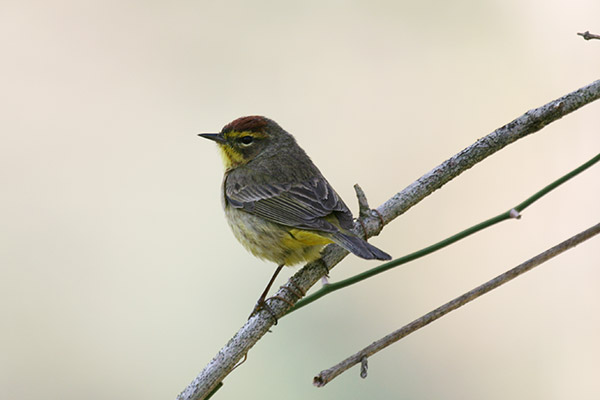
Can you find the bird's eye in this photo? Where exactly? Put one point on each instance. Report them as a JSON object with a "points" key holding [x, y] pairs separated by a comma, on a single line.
{"points": [[246, 140]]}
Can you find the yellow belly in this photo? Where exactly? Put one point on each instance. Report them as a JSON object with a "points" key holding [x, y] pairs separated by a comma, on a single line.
{"points": [[274, 242]]}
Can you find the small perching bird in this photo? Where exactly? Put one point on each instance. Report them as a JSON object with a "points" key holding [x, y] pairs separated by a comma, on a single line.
{"points": [[277, 202]]}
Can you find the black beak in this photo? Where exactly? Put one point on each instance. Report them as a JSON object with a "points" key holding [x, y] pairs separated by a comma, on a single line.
{"points": [[217, 137]]}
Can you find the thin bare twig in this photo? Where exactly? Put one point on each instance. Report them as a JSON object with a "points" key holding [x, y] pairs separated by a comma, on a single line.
{"points": [[257, 326], [587, 35], [360, 357], [363, 204]]}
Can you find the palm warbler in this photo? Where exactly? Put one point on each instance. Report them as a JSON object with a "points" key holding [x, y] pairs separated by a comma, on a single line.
{"points": [[276, 201]]}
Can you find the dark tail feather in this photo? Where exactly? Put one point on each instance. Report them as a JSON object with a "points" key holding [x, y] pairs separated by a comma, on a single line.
{"points": [[359, 247]]}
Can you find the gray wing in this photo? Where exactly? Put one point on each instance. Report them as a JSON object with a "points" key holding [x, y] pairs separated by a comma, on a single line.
{"points": [[303, 205]]}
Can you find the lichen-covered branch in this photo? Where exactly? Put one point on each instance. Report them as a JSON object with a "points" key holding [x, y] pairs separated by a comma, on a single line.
{"points": [[514, 212], [256, 327]]}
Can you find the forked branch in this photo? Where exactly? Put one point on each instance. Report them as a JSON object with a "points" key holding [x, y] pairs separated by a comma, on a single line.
{"points": [[256, 327]]}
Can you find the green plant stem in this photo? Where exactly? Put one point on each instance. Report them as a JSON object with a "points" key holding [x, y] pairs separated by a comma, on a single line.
{"points": [[219, 385], [557, 183], [332, 287]]}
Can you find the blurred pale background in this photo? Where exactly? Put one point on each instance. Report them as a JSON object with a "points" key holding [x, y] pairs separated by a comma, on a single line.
{"points": [[120, 278]]}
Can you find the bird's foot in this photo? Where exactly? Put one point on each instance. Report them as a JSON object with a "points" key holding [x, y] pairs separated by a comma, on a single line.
{"points": [[262, 303]]}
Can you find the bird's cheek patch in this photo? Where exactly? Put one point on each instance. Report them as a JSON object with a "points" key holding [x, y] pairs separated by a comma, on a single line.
{"points": [[231, 157]]}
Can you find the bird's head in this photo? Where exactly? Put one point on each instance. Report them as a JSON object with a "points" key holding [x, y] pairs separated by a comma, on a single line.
{"points": [[246, 138]]}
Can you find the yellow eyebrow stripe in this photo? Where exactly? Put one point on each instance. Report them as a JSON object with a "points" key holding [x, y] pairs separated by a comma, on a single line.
{"points": [[237, 134]]}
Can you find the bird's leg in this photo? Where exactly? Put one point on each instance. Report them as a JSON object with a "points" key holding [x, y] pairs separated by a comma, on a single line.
{"points": [[290, 287], [261, 303]]}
